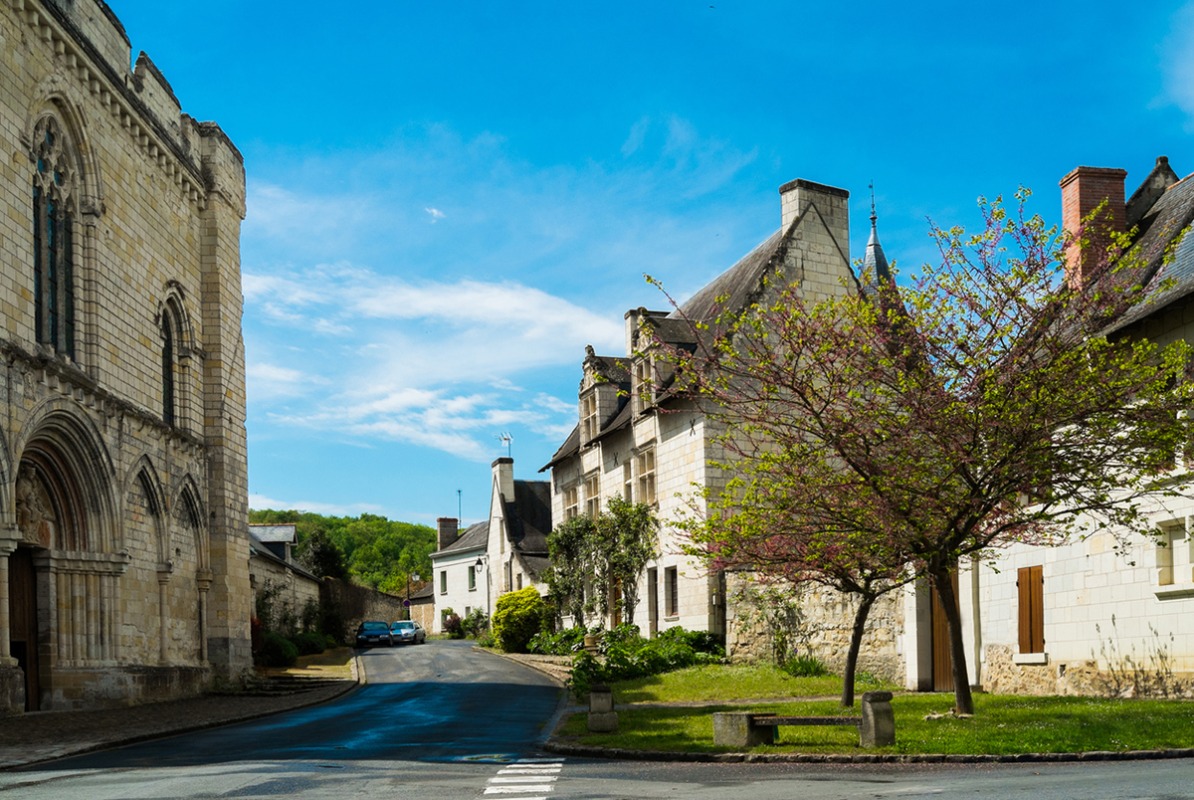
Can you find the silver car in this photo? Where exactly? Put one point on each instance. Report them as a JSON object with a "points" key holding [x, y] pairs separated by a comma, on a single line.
{"points": [[407, 632]]}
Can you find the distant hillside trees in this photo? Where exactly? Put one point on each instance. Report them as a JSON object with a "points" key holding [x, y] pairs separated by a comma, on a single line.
{"points": [[369, 550]]}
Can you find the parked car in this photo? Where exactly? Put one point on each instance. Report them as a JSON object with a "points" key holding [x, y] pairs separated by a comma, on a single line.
{"points": [[407, 632], [373, 633]]}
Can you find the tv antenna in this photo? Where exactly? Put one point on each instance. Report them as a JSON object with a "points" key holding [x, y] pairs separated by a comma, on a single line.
{"points": [[506, 439]]}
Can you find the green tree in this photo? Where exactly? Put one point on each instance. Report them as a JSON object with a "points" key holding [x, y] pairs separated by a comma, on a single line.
{"points": [[925, 424], [570, 551], [593, 556], [628, 535]]}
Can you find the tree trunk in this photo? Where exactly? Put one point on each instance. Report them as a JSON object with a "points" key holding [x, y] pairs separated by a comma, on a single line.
{"points": [[860, 617], [963, 700]]}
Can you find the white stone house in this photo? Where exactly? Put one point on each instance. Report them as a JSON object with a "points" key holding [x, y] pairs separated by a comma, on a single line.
{"points": [[636, 441], [504, 553], [457, 571], [1062, 619]]}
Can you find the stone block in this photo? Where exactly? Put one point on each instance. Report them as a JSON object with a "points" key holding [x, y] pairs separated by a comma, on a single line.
{"points": [[734, 729], [878, 720]]}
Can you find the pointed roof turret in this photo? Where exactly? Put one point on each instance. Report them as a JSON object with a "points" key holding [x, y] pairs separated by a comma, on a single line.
{"points": [[875, 261]]}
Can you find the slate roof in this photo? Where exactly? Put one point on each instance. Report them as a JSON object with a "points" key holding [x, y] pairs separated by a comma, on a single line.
{"points": [[284, 532], [528, 517], [1159, 226], [736, 287], [475, 537], [260, 550]]}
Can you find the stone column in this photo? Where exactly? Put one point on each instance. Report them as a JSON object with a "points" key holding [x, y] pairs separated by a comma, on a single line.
{"points": [[7, 546], [203, 579], [164, 572]]}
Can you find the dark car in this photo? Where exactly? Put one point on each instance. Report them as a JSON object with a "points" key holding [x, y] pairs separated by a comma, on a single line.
{"points": [[407, 632], [372, 633]]}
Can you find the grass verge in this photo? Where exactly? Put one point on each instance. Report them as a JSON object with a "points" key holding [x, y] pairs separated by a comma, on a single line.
{"points": [[1002, 725]]}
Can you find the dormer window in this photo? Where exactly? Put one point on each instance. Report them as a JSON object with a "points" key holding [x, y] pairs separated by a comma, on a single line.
{"points": [[644, 385], [588, 416]]}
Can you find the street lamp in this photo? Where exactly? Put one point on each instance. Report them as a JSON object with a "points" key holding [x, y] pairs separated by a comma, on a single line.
{"points": [[412, 576], [478, 567]]}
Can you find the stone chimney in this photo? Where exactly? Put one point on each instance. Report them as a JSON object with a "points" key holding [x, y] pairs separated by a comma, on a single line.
{"points": [[447, 530], [1082, 190], [503, 476], [795, 198]]}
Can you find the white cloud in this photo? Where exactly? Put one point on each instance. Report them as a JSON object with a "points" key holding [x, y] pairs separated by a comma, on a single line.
{"points": [[261, 502], [1178, 62], [442, 335]]}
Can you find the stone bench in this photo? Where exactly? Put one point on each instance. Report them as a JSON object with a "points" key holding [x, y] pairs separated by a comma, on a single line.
{"points": [[876, 726]]}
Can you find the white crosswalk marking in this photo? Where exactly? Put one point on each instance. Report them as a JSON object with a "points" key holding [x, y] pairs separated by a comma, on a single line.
{"points": [[526, 779]]}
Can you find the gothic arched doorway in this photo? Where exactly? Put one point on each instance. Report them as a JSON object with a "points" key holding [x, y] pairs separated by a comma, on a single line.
{"points": [[23, 639]]}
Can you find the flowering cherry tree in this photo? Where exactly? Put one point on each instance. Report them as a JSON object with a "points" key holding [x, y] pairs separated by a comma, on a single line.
{"points": [[895, 431]]}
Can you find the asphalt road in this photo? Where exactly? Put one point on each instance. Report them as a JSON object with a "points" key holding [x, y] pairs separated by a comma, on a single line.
{"points": [[443, 721]]}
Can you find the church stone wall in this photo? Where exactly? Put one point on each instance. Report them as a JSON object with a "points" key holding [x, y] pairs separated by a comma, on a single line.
{"points": [[123, 514]]}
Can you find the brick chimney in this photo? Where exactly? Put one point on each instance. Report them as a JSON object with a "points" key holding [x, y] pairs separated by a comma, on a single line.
{"points": [[447, 530], [1082, 190]]}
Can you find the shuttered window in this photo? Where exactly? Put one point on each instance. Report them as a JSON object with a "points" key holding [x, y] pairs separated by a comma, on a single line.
{"points": [[1031, 584]]}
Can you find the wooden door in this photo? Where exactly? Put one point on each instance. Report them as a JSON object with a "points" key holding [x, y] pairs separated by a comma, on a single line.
{"points": [[22, 615], [943, 673]]}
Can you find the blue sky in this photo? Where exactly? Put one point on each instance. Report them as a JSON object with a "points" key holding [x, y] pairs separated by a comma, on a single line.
{"points": [[448, 200]]}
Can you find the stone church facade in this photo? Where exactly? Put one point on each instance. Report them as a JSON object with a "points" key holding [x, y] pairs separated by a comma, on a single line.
{"points": [[123, 488]]}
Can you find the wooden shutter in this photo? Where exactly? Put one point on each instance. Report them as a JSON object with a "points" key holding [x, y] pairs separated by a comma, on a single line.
{"points": [[1031, 584]]}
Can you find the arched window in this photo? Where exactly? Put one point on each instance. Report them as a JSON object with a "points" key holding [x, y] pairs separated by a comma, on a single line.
{"points": [[168, 376], [54, 206]]}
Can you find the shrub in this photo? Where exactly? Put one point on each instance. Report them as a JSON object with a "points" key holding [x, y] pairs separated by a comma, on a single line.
{"points": [[309, 643], [453, 626], [563, 643], [519, 616], [277, 650], [805, 667], [475, 624], [628, 655]]}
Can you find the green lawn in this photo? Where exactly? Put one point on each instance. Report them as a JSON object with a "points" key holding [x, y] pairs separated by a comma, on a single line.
{"points": [[1001, 725]]}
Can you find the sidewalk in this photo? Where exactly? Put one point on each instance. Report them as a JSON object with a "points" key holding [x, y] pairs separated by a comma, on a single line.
{"points": [[46, 735]]}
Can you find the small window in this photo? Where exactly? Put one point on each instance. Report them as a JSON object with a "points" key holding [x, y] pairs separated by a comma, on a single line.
{"points": [[628, 482], [443, 582], [472, 577], [644, 389], [518, 581], [468, 610], [1030, 583], [671, 592], [1174, 563]]}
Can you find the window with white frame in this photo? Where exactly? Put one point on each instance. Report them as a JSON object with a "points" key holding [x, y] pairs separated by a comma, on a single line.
{"points": [[443, 581], [593, 496], [571, 502], [628, 481], [645, 466], [1175, 564], [643, 384], [588, 417], [472, 577]]}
